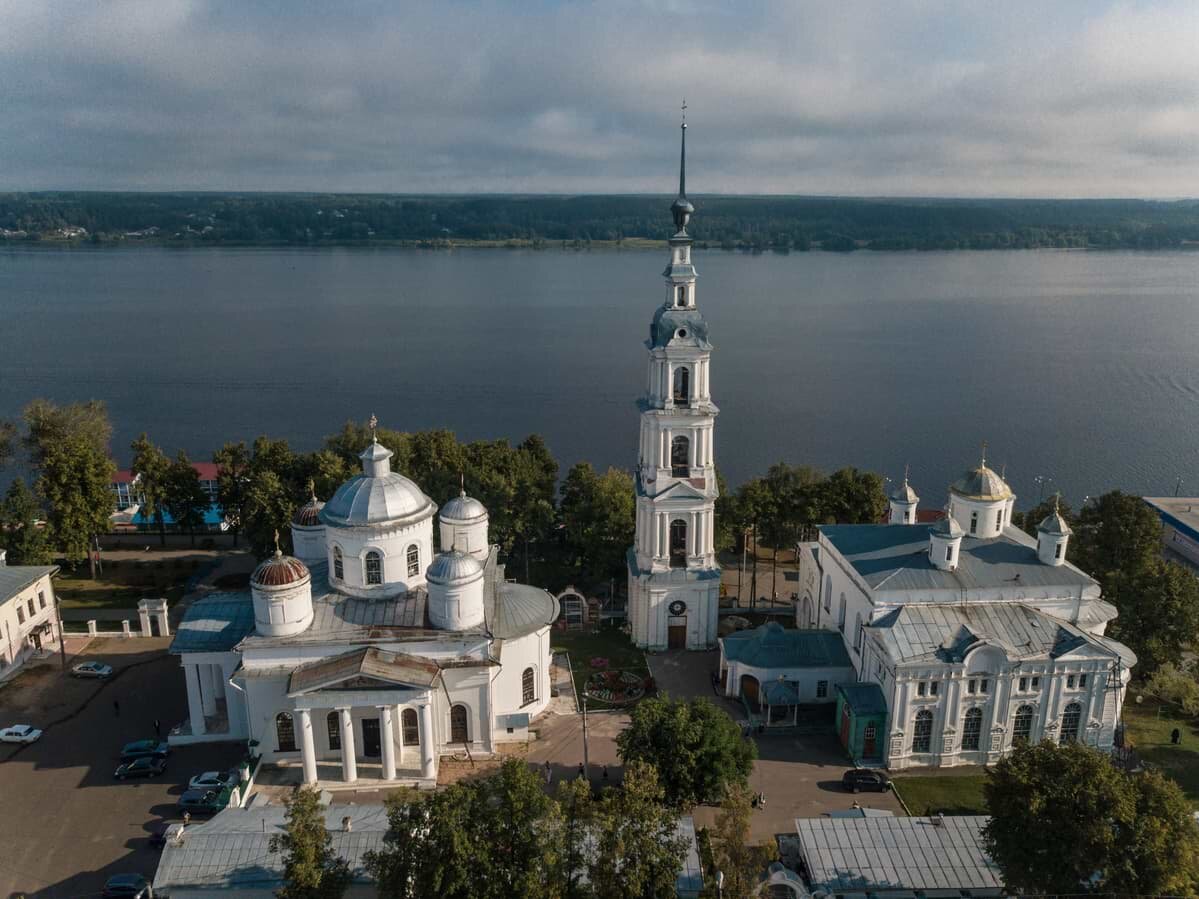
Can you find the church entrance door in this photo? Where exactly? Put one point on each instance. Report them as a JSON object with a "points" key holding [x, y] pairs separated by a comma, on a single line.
{"points": [[371, 745], [676, 636], [749, 691]]}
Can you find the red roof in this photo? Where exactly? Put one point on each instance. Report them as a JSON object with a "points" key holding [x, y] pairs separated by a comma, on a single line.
{"points": [[123, 477], [208, 471]]}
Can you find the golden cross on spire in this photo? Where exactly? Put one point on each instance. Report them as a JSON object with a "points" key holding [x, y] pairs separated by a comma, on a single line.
{"points": [[372, 424], [461, 483], [278, 552], [906, 467], [983, 464], [312, 489], [684, 112]]}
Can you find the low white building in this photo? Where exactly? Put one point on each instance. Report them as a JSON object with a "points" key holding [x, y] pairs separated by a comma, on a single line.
{"points": [[28, 616], [977, 635], [373, 662]]}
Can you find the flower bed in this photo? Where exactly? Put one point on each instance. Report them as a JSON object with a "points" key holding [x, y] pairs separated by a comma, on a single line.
{"points": [[616, 687]]}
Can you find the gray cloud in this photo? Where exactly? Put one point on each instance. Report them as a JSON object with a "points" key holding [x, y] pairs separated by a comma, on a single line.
{"points": [[925, 97]]}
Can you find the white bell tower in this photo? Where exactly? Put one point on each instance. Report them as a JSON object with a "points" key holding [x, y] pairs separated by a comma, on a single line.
{"points": [[674, 579]]}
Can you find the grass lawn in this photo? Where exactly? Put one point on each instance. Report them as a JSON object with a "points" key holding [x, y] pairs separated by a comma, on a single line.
{"points": [[948, 793], [608, 643], [123, 583], [1147, 728]]}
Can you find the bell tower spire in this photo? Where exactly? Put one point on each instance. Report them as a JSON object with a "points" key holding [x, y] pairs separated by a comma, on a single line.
{"points": [[674, 579]]}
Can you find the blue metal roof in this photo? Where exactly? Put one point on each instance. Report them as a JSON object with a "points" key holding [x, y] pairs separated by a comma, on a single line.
{"points": [[895, 557], [216, 623], [864, 698], [773, 646]]}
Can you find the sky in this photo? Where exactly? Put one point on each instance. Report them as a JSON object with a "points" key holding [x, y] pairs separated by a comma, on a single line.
{"points": [[917, 98]]}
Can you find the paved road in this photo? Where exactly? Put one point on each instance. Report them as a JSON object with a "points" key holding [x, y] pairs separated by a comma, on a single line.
{"points": [[67, 825]]}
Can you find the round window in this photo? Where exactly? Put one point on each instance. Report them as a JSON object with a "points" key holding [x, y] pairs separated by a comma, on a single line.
{"points": [[678, 607], [682, 332]]}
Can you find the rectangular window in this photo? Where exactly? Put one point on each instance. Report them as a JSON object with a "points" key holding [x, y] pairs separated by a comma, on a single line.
{"points": [[41, 599], [1070, 682], [999, 520], [821, 689], [1036, 683], [20, 615], [1057, 551], [1023, 684], [949, 553], [920, 688], [1082, 680], [32, 611], [972, 686], [984, 685], [973, 522], [932, 689]]}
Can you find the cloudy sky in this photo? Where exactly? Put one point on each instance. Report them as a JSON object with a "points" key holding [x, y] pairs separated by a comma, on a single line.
{"points": [[1054, 98]]}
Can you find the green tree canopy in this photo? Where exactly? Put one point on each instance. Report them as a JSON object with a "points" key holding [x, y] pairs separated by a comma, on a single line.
{"points": [[25, 541], [310, 868], [598, 516], [152, 468], [1028, 521], [741, 862], [697, 750], [851, 496], [1065, 820], [1158, 603], [185, 499], [1115, 532], [233, 476]]}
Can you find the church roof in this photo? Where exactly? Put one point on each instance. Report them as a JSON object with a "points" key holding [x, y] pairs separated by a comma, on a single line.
{"points": [[904, 493], [894, 557], [981, 484], [279, 571], [366, 500], [454, 567], [948, 633], [864, 698], [309, 514], [1054, 525], [682, 327], [773, 646], [216, 623], [463, 508], [370, 662]]}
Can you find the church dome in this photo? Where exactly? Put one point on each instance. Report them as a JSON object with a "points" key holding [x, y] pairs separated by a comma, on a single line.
{"points": [[309, 514], [947, 527], [463, 508], [904, 493], [1054, 525], [279, 571], [981, 484], [377, 496], [684, 327], [454, 567]]}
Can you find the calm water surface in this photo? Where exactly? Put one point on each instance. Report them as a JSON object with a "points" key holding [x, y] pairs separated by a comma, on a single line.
{"points": [[1082, 367]]}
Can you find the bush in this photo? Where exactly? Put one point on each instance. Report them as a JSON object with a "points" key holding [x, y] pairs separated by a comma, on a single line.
{"points": [[1176, 685]]}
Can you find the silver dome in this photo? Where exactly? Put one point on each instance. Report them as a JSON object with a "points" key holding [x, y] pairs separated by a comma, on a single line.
{"points": [[904, 494], [947, 527], [1054, 525], [981, 484], [463, 508], [454, 567], [377, 496]]}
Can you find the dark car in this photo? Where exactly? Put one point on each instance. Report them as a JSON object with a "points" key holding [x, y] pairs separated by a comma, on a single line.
{"points": [[202, 802], [857, 779], [141, 749], [128, 886], [146, 766]]}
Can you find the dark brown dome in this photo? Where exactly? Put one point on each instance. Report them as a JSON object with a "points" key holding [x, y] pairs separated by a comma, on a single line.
{"points": [[309, 514], [279, 571]]}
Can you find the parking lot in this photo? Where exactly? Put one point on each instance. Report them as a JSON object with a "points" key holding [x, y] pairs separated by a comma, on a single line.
{"points": [[68, 824]]}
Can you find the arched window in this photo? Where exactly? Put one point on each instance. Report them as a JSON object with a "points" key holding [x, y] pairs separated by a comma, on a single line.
{"points": [[841, 614], [828, 593], [972, 729], [922, 731], [333, 723], [285, 732], [374, 568], [338, 568], [858, 633], [680, 296], [680, 451], [413, 560], [528, 687], [682, 386], [1070, 719], [678, 543], [1022, 726], [411, 728], [973, 522], [459, 733]]}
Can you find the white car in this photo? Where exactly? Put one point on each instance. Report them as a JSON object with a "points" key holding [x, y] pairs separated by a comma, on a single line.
{"points": [[211, 780], [19, 733], [92, 669]]}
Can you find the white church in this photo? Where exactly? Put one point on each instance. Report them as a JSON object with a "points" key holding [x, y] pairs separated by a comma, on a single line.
{"points": [[966, 636], [366, 657], [674, 578]]}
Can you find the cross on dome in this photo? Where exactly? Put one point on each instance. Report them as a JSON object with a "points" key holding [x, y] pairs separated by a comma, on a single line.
{"points": [[373, 424]]}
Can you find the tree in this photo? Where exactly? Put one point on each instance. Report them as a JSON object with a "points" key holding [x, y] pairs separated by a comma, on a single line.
{"points": [[637, 851], [1177, 685], [741, 862], [428, 848], [69, 450], [850, 496], [518, 824], [8, 442], [1028, 521], [1065, 820], [151, 466], [1158, 603], [598, 516], [185, 499], [23, 538], [268, 509], [577, 854], [791, 499], [1115, 532], [697, 749], [233, 466], [310, 868]]}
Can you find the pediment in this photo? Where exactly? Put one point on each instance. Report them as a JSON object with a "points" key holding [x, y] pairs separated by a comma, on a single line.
{"points": [[680, 490], [369, 668]]}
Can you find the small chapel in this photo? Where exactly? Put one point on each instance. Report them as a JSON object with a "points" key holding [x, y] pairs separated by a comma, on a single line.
{"points": [[368, 655]]}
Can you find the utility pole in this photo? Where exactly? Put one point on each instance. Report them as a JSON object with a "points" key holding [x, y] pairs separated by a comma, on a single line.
{"points": [[586, 761], [753, 579], [62, 642], [741, 570]]}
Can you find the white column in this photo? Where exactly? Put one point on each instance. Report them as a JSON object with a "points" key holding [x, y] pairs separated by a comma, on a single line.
{"points": [[144, 616], [428, 751], [387, 726], [349, 764], [195, 704], [207, 690], [307, 746], [164, 625]]}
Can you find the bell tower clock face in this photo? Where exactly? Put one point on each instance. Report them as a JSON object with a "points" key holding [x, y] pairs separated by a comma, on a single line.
{"points": [[678, 607]]}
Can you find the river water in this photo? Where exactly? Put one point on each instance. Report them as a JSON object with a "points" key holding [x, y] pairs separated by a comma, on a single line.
{"points": [[1080, 367]]}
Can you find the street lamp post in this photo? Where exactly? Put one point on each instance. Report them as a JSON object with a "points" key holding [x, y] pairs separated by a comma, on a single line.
{"points": [[1041, 481], [586, 761]]}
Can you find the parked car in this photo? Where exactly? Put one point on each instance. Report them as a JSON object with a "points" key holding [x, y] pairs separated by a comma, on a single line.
{"points": [[142, 748], [856, 779], [128, 886], [202, 802], [213, 780], [20, 733], [146, 766], [92, 669]]}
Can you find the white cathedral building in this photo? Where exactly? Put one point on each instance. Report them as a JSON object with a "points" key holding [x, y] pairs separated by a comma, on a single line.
{"points": [[965, 635], [366, 656], [674, 578]]}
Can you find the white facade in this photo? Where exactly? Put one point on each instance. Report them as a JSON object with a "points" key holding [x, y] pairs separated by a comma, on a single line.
{"points": [[28, 618], [674, 578]]}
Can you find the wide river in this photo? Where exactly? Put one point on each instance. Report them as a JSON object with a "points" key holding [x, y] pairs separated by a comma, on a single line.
{"points": [[1080, 367]]}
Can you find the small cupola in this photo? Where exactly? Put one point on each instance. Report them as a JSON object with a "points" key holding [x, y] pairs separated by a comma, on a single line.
{"points": [[307, 529], [903, 501], [1052, 536], [456, 586], [464, 525], [945, 543], [281, 588]]}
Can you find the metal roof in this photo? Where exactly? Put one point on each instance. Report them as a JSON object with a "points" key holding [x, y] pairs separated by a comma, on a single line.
{"points": [[15, 578], [454, 567], [862, 855], [371, 662], [779, 692], [895, 557], [864, 698], [678, 326], [772, 646], [216, 623], [463, 508], [981, 484], [947, 633], [232, 850]]}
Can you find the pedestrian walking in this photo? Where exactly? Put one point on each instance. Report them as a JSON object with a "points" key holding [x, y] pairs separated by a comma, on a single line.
{"points": [[605, 775], [549, 773], [581, 772], [116, 709], [1176, 736], [157, 728]]}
